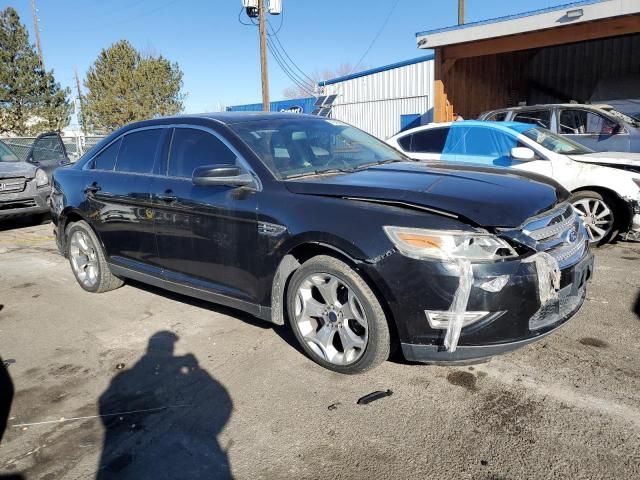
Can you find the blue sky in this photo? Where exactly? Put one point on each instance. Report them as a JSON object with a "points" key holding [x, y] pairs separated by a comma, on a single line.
{"points": [[219, 56]]}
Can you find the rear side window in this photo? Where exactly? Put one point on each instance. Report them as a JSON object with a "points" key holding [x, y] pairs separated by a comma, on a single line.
{"points": [[138, 151], [540, 118], [191, 148], [405, 142], [106, 159], [429, 141]]}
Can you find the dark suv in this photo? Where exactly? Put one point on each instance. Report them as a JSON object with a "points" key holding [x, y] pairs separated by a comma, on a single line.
{"points": [[299, 218]]}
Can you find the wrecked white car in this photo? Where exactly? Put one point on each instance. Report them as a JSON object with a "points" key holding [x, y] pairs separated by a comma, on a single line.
{"points": [[605, 186]]}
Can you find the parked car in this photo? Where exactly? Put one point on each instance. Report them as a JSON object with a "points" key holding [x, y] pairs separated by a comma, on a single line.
{"points": [[300, 217], [605, 186], [25, 185], [598, 127]]}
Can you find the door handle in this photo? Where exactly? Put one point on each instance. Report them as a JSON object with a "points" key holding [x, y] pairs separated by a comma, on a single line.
{"points": [[93, 188], [167, 197]]}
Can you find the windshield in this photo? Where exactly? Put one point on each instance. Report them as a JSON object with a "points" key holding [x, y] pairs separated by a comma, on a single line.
{"points": [[309, 146], [6, 154], [555, 143]]}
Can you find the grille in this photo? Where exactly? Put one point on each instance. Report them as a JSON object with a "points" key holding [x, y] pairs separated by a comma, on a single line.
{"points": [[12, 185], [559, 232]]}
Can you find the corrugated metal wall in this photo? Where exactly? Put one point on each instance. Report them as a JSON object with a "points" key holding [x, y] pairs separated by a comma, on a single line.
{"points": [[277, 106], [375, 102]]}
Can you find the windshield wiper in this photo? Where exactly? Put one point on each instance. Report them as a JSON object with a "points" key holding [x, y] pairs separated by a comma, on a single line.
{"points": [[364, 166], [320, 172]]}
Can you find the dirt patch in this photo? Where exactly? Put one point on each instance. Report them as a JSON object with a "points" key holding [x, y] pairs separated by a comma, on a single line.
{"points": [[465, 380], [508, 412], [25, 285], [593, 342]]}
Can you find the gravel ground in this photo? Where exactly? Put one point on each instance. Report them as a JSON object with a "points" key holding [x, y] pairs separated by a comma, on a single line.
{"points": [[216, 393]]}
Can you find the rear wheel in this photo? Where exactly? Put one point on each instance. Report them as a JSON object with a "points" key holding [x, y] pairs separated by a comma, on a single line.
{"points": [[88, 261], [598, 214], [336, 317]]}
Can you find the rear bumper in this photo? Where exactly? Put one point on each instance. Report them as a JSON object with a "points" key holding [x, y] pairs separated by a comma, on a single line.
{"points": [[516, 316]]}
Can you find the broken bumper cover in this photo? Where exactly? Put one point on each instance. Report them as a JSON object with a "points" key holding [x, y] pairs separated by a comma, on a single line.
{"points": [[32, 200], [513, 316]]}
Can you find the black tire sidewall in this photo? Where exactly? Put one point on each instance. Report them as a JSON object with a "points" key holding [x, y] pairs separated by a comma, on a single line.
{"points": [[378, 342]]}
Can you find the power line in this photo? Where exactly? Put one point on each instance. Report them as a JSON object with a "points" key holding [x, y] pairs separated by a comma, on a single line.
{"points": [[275, 35], [298, 81], [386, 20]]}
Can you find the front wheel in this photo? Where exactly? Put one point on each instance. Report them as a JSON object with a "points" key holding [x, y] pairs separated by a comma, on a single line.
{"points": [[336, 317], [597, 213]]}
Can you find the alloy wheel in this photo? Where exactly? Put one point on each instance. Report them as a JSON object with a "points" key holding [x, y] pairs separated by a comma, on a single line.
{"points": [[330, 318], [597, 217], [84, 259]]}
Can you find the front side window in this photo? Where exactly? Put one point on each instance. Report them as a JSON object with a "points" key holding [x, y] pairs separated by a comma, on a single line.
{"points": [[106, 159], [48, 149], [138, 151], [555, 143], [291, 148], [497, 117], [192, 148], [583, 122], [6, 154], [540, 118]]}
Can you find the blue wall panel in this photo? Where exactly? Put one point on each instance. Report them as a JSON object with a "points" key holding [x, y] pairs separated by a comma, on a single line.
{"points": [[298, 105]]}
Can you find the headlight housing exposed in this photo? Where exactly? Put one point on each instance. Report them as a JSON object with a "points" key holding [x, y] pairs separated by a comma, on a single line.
{"points": [[422, 244], [41, 178]]}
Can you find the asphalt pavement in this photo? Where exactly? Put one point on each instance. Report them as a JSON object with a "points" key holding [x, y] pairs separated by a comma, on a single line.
{"points": [[142, 383]]}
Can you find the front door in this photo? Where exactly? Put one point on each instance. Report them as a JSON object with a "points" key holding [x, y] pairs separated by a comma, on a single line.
{"points": [[119, 200], [48, 152], [206, 235]]}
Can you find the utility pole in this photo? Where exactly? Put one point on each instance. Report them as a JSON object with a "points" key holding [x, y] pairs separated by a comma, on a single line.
{"points": [[36, 27], [460, 12], [82, 118], [266, 106]]}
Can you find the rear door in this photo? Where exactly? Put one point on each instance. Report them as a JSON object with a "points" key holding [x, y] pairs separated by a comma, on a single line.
{"points": [[118, 197], [48, 152], [206, 235], [593, 130]]}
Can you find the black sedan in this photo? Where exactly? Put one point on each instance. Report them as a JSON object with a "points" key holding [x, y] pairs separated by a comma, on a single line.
{"points": [[310, 221]]}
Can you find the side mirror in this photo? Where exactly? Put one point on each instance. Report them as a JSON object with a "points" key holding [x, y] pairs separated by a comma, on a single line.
{"points": [[227, 175], [523, 154]]}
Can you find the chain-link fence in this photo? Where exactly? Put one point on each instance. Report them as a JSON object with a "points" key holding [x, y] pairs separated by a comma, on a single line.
{"points": [[75, 146]]}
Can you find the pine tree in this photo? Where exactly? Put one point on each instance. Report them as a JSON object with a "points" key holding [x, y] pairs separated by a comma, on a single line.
{"points": [[125, 86], [31, 101]]}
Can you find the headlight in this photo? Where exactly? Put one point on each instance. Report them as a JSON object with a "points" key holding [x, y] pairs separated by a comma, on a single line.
{"points": [[448, 244], [41, 178]]}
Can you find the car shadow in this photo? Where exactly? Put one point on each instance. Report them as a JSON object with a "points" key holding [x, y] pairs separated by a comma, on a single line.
{"points": [[24, 222], [283, 331], [636, 306], [162, 418], [6, 398]]}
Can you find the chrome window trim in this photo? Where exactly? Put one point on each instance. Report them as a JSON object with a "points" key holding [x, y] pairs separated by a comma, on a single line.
{"points": [[240, 158]]}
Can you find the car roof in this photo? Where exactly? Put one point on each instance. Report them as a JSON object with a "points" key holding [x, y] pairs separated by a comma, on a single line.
{"points": [[509, 127], [240, 117], [550, 105]]}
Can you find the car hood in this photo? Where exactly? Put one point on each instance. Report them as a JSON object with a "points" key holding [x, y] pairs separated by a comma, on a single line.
{"points": [[17, 169], [620, 160], [487, 197]]}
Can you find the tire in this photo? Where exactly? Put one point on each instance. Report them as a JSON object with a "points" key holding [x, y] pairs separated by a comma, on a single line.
{"points": [[347, 332], [83, 246], [589, 205]]}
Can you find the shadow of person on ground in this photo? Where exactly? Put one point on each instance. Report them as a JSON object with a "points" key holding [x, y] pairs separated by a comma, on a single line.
{"points": [[6, 397], [176, 411]]}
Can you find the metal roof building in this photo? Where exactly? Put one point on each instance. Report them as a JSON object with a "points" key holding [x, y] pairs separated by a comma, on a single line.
{"points": [[382, 101], [559, 54]]}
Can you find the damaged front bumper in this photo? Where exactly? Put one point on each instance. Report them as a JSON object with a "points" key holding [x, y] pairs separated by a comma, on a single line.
{"points": [[633, 233], [505, 315]]}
